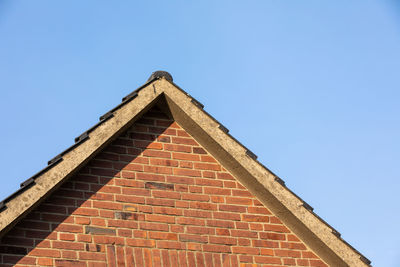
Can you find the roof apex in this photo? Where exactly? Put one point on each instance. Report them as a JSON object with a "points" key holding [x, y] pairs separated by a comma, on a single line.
{"points": [[161, 74]]}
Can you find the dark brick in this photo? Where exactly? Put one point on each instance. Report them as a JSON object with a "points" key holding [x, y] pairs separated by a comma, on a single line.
{"points": [[153, 185], [99, 231], [123, 215]]}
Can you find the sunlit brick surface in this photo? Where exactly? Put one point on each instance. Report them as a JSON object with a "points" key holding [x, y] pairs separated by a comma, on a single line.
{"points": [[154, 197]]}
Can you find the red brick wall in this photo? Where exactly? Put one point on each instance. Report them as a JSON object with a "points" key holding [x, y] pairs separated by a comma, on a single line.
{"points": [[154, 197]]}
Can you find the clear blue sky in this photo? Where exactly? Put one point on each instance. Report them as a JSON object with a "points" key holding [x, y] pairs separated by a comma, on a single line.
{"points": [[312, 88]]}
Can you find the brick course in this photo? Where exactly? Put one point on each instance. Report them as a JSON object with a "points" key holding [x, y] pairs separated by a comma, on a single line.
{"points": [[154, 197]]}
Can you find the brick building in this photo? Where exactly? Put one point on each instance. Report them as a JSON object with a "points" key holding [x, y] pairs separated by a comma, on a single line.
{"points": [[159, 182]]}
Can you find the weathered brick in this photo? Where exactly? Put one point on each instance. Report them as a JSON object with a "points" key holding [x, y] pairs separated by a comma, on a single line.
{"points": [[99, 231], [123, 215], [193, 238], [163, 186]]}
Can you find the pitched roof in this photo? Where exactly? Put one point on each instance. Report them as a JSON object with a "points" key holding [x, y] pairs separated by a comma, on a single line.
{"points": [[161, 91]]}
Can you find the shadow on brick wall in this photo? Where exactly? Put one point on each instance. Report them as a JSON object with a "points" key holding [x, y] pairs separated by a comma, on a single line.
{"points": [[67, 221]]}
